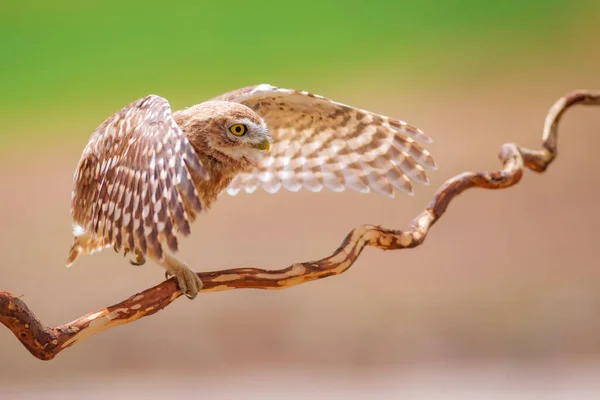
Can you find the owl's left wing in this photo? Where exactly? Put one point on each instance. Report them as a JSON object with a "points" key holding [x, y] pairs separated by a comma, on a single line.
{"points": [[321, 143], [133, 186]]}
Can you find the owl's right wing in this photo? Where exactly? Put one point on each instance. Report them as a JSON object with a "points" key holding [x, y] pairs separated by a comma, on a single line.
{"points": [[320, 143], [134, 183]]}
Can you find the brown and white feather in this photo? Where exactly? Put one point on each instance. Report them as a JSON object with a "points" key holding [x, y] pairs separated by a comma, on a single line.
{"points": [[133, 185], [319, 143]]}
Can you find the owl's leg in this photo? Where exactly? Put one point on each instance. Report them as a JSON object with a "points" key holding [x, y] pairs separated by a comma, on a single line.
{"points": [[188, 281]]}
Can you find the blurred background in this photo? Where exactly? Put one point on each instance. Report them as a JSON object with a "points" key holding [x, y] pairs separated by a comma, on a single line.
{"points": [[501, 300]]}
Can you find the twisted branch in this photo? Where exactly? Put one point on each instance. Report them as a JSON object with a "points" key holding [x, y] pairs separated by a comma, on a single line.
{"points": [[46, 342]]}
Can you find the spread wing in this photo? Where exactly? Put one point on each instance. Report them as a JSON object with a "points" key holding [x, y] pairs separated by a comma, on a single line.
{"points": [[320, 143], [134, 185]]}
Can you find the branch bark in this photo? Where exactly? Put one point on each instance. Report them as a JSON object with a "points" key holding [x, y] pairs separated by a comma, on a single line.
{"points": [[46, 342]]}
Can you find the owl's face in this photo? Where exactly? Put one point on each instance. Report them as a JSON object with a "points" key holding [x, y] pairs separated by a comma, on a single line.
{"points": [[238, 132]]}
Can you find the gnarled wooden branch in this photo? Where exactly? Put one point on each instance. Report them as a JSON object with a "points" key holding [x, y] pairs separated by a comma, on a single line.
{"points": [[45, 342]]}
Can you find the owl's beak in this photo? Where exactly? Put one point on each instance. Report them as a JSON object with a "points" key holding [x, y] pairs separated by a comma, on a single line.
{"points": [[265, 145]]}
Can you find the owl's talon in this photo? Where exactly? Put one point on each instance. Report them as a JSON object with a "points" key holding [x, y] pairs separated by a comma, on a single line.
{"points": [[188, 283], [187, 280], [138, 260]]}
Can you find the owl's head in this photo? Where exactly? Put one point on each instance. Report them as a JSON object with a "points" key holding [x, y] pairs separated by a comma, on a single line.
{"points": [[231, 129]]}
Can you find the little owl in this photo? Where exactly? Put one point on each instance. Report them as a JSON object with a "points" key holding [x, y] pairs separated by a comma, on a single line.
{"points": [[146, 172]]}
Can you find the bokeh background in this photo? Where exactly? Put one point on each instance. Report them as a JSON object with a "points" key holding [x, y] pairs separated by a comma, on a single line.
{"points": [[501, 301]]}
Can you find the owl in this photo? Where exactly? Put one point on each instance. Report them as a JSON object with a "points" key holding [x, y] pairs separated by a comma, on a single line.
{"points": [[146, 172]]}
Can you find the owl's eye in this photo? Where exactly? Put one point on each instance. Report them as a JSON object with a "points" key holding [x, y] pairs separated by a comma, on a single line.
{"points": [[238, 129]]}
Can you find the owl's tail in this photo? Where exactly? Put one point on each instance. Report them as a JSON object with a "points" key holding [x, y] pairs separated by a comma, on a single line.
{"points": [[84, 244]]}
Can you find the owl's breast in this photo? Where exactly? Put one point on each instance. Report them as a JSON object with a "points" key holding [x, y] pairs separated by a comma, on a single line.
{"points": [[220, 174]]}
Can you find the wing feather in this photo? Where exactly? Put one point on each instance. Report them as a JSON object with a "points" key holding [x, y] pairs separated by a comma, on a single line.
{"points": [[134, 185], [320, 143]]}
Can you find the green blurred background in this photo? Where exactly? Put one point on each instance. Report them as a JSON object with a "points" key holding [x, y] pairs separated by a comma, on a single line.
{"points": [[506, 278], [81, 59]]}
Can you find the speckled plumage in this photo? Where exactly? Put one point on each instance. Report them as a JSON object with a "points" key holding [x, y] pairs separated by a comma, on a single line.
{"points": [[322, 143], [146, 172]]}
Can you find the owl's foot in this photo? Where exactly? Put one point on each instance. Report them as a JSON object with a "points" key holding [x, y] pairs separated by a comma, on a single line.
{"points": [[138, 259], [187, 280]]}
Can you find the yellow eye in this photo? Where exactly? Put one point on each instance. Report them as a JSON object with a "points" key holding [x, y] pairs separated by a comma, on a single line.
{"points": [[238, 129]]}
